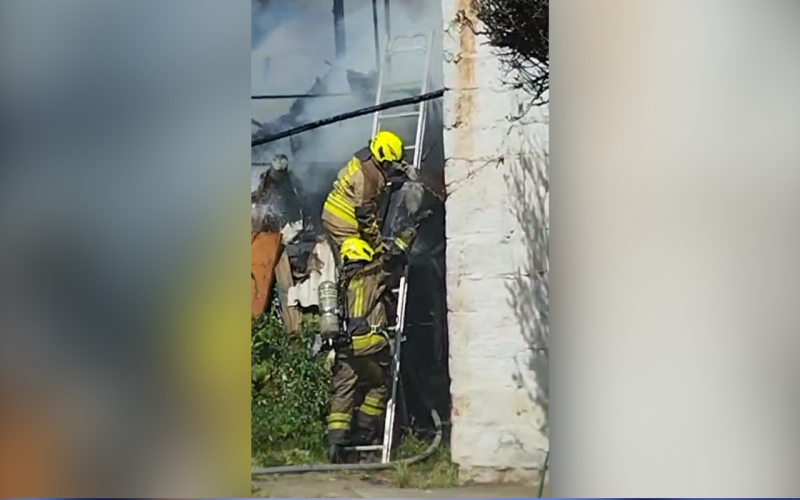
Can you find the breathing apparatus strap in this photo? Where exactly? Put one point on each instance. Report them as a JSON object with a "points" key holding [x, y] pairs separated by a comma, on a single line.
{"points": [[343, 338], [349, 326]]}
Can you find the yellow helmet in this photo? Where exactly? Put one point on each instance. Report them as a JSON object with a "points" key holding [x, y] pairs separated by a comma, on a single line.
{"points": [[387, 146], [356, 249]]}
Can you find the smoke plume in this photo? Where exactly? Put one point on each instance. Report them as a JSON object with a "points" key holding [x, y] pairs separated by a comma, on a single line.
{"points": [[294, 45]]}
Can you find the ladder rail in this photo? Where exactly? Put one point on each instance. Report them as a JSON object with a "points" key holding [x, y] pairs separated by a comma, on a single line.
{"points": [[396, 342], [379, 91], [423, 106], [391, 407], [385, 68], [388, 426]]}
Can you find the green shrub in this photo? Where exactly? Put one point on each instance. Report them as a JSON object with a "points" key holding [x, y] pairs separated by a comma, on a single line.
{"points": [[290, 390]]}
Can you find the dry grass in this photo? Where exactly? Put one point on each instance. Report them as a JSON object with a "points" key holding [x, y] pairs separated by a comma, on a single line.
{"points": [[435, 472]]}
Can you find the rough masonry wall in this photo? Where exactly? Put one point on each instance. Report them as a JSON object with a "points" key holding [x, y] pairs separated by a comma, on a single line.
{"points": [[496, 258]]}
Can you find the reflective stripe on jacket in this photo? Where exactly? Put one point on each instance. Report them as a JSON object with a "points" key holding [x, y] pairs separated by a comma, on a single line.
{"points": [[352, 204]]}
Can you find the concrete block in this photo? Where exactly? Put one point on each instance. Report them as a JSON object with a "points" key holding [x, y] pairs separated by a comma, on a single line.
{"points": [[507, 446], [478, 293], [479, 259], [478, 408], [529, 477]]}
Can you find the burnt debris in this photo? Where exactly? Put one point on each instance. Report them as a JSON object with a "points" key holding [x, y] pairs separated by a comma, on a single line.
{"points": [[277, 200]]}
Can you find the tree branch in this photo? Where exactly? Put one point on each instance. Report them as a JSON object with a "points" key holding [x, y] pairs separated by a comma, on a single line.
{"points": [[520, 30]]}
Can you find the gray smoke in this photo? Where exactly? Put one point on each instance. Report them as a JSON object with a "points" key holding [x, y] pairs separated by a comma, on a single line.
{"points": [[300, 48]]}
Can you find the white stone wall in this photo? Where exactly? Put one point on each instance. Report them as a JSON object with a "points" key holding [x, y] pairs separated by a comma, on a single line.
{"points": [[496, 219]]}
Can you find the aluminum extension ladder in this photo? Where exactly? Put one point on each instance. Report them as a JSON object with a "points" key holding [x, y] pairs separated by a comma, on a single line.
{"points": [[402, 46]]}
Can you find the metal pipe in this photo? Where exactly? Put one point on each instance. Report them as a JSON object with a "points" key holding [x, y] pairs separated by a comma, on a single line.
{"points": [[338, 27], [388, 23], [375, 32]]}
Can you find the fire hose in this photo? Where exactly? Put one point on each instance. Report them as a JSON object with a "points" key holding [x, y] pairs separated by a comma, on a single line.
{"points": [[346, 116], [297, 469], [301, 96]]}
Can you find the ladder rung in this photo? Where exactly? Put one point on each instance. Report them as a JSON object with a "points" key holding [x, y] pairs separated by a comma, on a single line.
{"points": [[409, 147], [373, 447], [406, 86], [407, 49], [394, 329], [400, 115]]}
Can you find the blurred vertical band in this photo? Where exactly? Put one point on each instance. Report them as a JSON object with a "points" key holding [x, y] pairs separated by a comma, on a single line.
{"points": [[214, 346], [124, 352], [675, 291]]}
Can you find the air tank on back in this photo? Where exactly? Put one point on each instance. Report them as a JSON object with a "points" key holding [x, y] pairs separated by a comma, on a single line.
{"points": [[328, 309]]}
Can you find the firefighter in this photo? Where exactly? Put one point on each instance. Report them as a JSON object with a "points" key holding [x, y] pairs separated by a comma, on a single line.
{"points": [[362, 356]]}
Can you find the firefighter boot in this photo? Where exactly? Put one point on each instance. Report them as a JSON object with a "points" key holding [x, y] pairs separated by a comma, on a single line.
{"points": [[336, 453], [369, 457]]}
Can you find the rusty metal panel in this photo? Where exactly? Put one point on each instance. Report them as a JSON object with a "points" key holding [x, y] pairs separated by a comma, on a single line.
{"points": [[264, 252]]}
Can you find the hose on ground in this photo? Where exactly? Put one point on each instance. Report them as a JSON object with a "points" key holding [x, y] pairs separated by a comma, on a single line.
{"points": [[298, 469]]}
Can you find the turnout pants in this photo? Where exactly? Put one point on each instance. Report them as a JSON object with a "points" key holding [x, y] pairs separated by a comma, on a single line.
{"points": [[366, 374], [362, 368]]}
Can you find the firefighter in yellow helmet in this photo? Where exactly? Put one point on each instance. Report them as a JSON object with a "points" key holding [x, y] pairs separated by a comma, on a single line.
{"points": [[352, 205], [351, 218]]}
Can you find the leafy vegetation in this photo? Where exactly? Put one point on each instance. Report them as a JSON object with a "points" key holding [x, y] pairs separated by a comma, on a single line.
{"points": [[290, 391], [289, 387]]}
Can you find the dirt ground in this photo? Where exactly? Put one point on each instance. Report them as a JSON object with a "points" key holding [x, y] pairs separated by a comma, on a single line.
{"points": [[322, 485]]}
